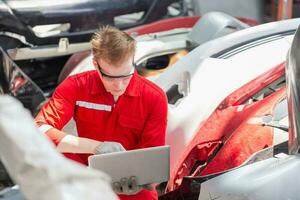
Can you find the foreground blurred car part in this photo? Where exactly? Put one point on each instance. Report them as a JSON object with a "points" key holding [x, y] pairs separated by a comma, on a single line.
{"points": [[33, 163], [274, 178], [293, 94]]}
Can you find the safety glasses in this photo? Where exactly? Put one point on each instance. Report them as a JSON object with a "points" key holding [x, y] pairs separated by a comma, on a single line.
{"points": [[110, 77]]}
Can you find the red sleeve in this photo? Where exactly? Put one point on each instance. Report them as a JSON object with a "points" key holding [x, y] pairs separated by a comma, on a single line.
{"points": [[58, 110], [156, 123]]}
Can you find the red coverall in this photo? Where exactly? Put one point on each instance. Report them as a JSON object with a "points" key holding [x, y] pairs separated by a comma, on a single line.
{"points": [[137, 120]]}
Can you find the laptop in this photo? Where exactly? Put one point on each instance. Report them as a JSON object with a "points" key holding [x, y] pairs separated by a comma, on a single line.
{"points": [[148, 165]]}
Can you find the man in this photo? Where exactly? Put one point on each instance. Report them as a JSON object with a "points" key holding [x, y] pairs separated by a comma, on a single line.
{"points": [[114, 108]]}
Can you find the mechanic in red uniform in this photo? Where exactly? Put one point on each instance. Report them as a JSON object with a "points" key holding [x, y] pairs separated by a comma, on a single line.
{"points": [[114, 108]]}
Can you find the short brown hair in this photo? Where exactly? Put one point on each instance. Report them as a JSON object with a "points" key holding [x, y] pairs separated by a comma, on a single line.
{"points": [[112, 45]]}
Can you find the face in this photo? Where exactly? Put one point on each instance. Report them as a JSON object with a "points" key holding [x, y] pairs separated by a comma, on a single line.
{"points": [[115, 78]]}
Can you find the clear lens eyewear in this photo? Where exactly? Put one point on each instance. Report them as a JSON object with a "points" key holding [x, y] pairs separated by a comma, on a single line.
{"points": [[110, 77]]}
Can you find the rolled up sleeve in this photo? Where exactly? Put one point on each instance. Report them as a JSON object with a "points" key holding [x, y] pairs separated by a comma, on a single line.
{"points": [[58, 111]]}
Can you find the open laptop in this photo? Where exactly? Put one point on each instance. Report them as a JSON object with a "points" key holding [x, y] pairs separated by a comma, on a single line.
{"points": [[149, 165]]}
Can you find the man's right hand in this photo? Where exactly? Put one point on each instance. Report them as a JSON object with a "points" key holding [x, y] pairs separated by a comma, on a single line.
{"points": [[108, 147]]}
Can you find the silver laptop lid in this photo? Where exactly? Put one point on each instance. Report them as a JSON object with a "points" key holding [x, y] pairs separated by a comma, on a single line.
{"points": [[149, 165]]}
